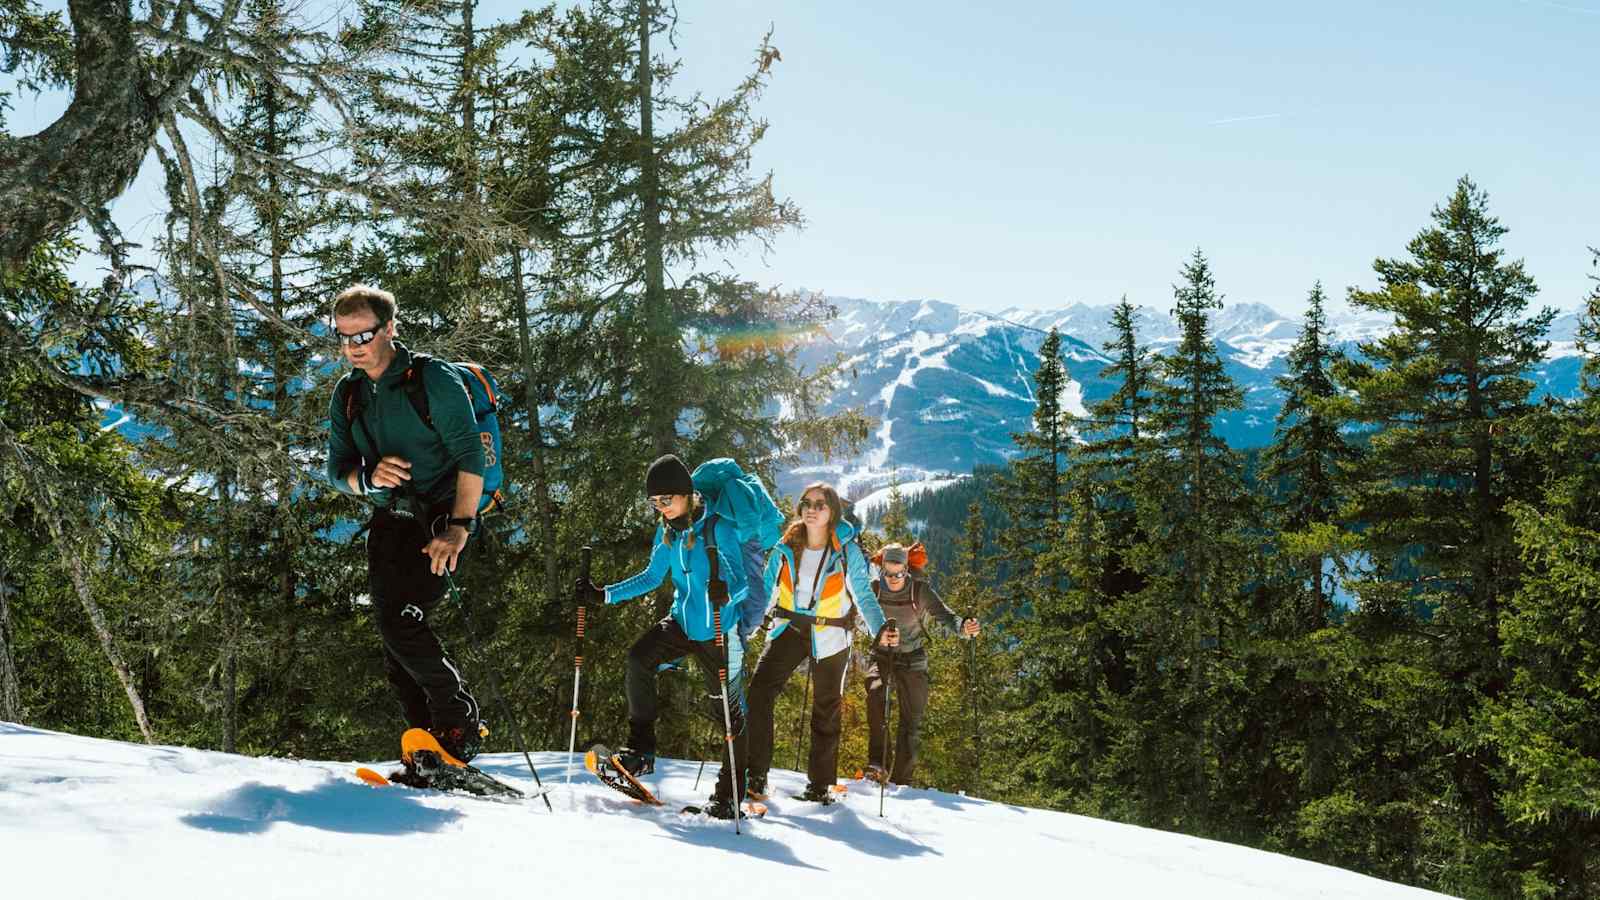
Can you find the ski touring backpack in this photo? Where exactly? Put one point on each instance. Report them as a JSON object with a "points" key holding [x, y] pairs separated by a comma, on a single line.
{"points": [[742, 499], [485, 394]]}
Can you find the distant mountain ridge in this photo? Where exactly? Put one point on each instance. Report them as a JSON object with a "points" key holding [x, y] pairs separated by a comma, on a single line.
{"points": [[951, 385]]}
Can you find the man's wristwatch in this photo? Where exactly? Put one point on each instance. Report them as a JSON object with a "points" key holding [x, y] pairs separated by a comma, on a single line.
{"points": [[470, 523]]}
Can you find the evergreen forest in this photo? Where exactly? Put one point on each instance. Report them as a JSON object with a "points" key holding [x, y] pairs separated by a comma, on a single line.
{"points": [[1374, 643]]}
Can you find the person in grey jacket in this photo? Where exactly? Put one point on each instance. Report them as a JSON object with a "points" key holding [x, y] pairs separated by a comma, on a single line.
{"points": [[913, 605]]}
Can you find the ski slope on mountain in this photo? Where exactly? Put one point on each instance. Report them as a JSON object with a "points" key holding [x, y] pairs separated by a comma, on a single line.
{"points": [[87, 818]]}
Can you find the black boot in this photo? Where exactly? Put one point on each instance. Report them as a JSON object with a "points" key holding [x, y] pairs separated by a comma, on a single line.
{"points": [[409, 776], [723, 808], [814, 794], [637, 763], [462, 741]]}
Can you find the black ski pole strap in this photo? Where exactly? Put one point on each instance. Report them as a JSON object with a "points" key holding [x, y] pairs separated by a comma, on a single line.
{"points": [[716, 588]]}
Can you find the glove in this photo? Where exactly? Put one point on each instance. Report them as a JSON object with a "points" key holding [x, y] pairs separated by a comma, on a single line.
{"points": [[889, 633], [584, 590]]}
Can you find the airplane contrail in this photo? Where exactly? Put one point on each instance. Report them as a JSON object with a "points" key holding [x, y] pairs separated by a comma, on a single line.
{"points": [[1245, 119]]}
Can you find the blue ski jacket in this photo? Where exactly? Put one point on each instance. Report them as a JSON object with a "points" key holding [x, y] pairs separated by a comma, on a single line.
{"points": [[690, 570]]}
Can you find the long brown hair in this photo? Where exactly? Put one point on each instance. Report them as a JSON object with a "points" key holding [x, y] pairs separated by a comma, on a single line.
{"points": [[794, 533], [695, 505]]}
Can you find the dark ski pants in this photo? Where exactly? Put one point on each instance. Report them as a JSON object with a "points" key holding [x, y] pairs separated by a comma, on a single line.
{"points": [[778, 661], [404, 594], [666, 641], [911, 696]]}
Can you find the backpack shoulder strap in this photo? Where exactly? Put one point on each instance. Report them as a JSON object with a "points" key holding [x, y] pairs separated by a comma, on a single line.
{"points": [[355, 405], [715, 575], [417, 389]]}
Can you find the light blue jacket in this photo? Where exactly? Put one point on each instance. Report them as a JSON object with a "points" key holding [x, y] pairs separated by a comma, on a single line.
{"points": [[690, 569]]}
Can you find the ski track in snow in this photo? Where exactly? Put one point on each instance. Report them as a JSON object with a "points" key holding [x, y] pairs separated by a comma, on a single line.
{"points": [[87, 818]]}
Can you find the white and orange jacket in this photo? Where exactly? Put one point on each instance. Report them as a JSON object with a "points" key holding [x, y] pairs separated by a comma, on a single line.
{"points": [[844, 584]]}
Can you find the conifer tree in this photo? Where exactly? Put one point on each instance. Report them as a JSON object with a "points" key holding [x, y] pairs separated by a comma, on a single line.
{"points": [[896, 526], [964, 674], [1193, 557], [1310, 451], [1446, 391], [1072, 652], [1031, 489], [1547, 725]]}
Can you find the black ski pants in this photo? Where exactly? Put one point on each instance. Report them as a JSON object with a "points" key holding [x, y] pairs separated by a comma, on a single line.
{"points": [[666, 641], [404, 595], [911, 692], [778, 661]]}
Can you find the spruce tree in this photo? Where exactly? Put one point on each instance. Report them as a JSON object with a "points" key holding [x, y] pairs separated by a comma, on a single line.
{"points": [[1194, 557], [1310, 452], [1446, 393], [1030, 490], [896, 526], [1546, 726]]}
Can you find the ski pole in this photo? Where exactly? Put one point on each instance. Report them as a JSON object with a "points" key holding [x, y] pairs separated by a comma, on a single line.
{"points": [[799, 722], [494, 685], [972, 701], [888, 736], [577, 665], [735, 787], [702, 771]]}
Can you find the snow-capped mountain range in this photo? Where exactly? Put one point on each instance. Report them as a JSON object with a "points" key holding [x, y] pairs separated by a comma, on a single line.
{"points": [[950, 386]]}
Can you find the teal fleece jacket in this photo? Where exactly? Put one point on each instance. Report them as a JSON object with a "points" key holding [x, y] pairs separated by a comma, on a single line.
{"points": [[435, 454]]}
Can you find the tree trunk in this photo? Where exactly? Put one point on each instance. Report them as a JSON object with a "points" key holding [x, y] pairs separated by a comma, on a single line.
{"points": [[530, 400], [663, 410], [78, 573], [469, 104], [89, 156], [10, 689]]}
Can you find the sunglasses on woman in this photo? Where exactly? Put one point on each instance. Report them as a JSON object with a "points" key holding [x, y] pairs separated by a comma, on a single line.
{"points": [[818, 505], [661, 501]]}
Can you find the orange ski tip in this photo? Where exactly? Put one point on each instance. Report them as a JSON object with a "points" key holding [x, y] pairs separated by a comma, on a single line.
{"points": [[373, 778], [419, 739], [839, 788]]}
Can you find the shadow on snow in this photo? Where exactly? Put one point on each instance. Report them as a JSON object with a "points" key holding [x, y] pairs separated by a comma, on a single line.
{"points": [[334, 805]]}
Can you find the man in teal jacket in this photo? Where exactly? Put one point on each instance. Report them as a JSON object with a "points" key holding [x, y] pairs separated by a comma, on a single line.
{"points": [[424, 480]]}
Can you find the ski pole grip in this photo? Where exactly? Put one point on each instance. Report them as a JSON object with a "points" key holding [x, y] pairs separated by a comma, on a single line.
{"points": [[584, 557]]}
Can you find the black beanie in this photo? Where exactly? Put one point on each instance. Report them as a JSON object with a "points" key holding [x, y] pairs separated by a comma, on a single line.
{"points": [[668, 475]]}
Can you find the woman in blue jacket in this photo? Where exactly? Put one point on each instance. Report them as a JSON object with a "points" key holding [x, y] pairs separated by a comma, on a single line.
{"points": [[818, 578], [679, 553]]}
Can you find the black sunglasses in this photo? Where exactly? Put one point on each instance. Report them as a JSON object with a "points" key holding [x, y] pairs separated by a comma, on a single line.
{"points": [[360, 338], [818, 505]]}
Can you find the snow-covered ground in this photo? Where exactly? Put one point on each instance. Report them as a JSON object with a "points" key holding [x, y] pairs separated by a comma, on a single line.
{"points": [[87, 818]]}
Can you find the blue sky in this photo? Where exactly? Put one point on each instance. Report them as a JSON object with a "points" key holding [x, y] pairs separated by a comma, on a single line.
{"points": [[1054, 152], [1058, 152]]}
